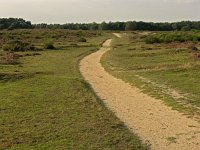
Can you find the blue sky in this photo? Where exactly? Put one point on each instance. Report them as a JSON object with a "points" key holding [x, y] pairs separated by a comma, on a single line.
{"points": [[62, 11]]}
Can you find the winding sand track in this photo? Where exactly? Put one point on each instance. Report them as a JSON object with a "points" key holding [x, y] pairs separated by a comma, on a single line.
{"points": [[154, 122]]}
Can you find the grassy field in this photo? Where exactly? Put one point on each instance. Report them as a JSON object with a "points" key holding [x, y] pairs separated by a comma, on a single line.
{"points": [[46, 104], [168, 71]]}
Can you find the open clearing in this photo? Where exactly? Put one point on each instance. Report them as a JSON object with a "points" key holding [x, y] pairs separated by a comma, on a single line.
{"points": [[46, 104], [167, 71], [154, 122]]}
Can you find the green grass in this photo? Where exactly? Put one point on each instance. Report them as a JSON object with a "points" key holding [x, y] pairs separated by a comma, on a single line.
{"points": [[168, 37], [158, 69], [46, 104]]}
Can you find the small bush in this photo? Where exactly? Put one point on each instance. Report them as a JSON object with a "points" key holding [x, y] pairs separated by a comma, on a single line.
{"points": [[151, 40], [48, 44], [82, 40], [74, 45], [17, 46], [196, 56], [79, 33], [193, 47], [11, 58]]}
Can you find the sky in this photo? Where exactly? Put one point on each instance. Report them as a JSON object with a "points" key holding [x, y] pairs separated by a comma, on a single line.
{"points": [[84, 11]]}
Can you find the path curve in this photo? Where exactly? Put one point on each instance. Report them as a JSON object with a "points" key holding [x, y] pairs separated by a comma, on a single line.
{"points": [[154, 122]]}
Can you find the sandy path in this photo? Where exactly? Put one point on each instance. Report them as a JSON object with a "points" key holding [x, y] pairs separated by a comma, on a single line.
{"points": [[154, 122], [117, 35]]}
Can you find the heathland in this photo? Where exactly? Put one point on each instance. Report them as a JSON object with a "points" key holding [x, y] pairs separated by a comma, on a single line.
{"points": [[45, 102], [162, 64]]}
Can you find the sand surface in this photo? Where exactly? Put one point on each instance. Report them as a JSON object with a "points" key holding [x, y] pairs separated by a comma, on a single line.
{"points": [[157, 124]]}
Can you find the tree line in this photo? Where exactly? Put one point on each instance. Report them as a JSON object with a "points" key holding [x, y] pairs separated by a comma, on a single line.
{"points": [[14, 23], [18, 23]]}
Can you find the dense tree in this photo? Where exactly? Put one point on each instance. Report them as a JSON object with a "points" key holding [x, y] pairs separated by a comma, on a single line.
{"points": [[130, 26], [17, 23], [185, 28], [94, 26], [14, 23], [103, 26]]}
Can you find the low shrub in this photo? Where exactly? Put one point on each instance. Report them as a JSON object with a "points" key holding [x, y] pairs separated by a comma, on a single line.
{"points": [[196, 56], [79, 33], [173, 37], [74, 45], [192, 47], [10, 58], [17, 46], [48, 44], [82, 40]]}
